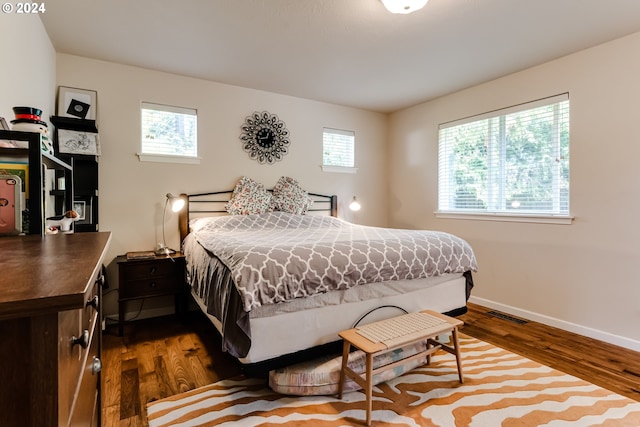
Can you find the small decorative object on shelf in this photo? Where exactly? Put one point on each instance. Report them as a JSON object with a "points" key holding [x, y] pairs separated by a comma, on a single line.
{"points": [[62, 222], [265, 137], [28, 119]]}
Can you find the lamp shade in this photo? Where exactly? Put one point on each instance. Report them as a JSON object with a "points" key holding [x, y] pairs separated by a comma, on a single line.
{"points": [[177, 203], [403, 6], [354, 205]]}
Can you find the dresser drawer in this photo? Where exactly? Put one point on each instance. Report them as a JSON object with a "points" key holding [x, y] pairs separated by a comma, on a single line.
{"points": [[76, 345], [86, 407], [92, 305]]}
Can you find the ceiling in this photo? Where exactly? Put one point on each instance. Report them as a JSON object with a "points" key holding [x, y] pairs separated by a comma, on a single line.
{"points": [[348, 52]]}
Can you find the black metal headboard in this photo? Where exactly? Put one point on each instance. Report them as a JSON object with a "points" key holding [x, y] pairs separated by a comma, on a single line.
{"points": [[211, 204]]}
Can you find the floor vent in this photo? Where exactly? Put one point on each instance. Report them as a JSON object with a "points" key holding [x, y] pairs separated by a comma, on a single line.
{"points": [[506, 317]]}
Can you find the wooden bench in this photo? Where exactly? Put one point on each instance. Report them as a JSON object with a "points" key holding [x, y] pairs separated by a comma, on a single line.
{"points": [[353, 337]]}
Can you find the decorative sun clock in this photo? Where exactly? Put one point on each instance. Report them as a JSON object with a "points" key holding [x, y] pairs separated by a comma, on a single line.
{"points": [[265, 137]]}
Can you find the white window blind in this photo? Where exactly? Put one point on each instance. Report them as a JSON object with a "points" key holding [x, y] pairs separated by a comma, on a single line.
{"points": [[338, 147], [513, 161], [169, 131]]}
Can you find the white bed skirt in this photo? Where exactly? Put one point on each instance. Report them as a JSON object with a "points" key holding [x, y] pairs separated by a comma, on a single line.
{"points": [[290, 332]]}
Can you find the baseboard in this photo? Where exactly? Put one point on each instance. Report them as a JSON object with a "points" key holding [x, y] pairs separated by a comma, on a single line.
{"points": [[561, 324]]}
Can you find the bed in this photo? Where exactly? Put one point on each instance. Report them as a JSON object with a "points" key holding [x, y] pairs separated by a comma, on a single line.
{"points": [[312, 282]]}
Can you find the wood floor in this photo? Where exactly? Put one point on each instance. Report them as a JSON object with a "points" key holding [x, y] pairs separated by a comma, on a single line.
{"points": [[165, 356]]}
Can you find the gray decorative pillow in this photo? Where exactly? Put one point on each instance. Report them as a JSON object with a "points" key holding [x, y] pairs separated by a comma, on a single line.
{"points": [[288, 196], [249, 198]]}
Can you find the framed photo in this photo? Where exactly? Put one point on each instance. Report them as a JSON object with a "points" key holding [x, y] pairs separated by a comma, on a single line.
{"points": [[80, 207], [77, 103], [78, 142], [84, 206]]}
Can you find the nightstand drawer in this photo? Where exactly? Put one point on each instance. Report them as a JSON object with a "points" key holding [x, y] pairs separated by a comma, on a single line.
{"points": [[151, 287], [149, 270]]}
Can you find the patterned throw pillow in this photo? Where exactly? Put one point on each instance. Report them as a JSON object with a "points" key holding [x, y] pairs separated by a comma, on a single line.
{"points": [[249, 197], [288, 196]]}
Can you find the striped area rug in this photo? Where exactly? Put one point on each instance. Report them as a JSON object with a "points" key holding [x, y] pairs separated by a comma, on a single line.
{"points": [[500, 389]]}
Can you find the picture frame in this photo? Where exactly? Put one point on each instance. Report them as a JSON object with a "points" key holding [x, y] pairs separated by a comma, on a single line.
{"points": [[83, 205], [80, 207], [77, 103], [78, 142]]}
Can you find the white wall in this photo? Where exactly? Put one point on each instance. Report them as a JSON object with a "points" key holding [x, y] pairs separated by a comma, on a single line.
{"points": [[28, 71], [132, 192], [581, 276]]}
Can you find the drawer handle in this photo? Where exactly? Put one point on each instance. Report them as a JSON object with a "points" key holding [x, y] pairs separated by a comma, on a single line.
{"points": [[152, 284], [100, 280], [96, 365], [152, 270], [83, 339], [93, 302]]}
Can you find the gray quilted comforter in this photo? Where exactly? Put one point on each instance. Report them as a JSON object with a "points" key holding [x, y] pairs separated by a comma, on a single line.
{"points": [[277, 256]]}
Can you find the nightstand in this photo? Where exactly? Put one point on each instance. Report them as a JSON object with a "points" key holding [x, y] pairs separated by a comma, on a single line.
{"points": [[151, 277]]}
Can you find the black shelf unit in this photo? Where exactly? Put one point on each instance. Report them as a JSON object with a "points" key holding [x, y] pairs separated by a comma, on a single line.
{"points": [[85, 173], [85, 191], [36, 160]]}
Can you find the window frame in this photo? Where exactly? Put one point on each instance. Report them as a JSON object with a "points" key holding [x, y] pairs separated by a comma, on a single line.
{"points": [[335, 167], [497, 214], [167, 158]]}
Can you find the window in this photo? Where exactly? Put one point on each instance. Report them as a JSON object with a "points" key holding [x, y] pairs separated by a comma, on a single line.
{"points": [[508, 162], [338, 147], [168, 133]]}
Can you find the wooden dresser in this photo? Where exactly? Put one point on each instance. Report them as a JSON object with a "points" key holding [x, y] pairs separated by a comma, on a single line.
{"points": [[50, 329]]}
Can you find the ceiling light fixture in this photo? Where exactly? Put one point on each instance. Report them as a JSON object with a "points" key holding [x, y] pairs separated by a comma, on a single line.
{"points": [[403, 6]]}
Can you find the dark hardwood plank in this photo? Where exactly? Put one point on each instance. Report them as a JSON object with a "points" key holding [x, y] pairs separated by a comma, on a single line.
{"points": [[130, 394], [172, 354]]}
